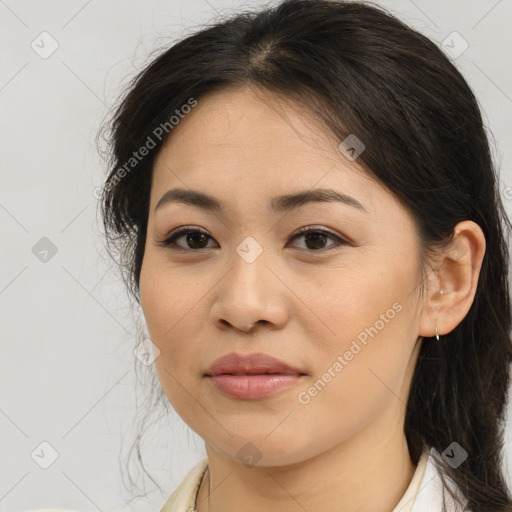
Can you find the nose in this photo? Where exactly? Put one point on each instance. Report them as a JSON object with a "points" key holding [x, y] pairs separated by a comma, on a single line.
{"points": [[250, 294]]}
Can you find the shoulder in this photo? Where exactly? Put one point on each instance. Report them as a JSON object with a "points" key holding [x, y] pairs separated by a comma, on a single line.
{"points": [[183, 497]]}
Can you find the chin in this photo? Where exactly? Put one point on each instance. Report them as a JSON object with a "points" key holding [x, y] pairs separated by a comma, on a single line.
{"points": [[258, 449]]}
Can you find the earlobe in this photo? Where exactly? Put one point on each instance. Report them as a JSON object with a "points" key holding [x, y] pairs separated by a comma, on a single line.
{"points": [[453, 283]]}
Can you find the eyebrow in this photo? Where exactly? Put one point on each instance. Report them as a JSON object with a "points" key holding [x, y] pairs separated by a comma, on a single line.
{"points": [[284, 203]]}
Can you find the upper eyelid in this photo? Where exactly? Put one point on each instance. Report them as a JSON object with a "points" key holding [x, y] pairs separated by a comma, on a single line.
{"points": [[183, 230], [305, 229]]}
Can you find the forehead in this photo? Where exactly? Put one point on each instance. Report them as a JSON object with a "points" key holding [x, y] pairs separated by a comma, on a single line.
{"points": [[246, 133], [245, 146], [248, 123]]}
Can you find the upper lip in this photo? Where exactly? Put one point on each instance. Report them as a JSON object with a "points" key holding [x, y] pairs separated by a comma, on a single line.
{"points": [[250, 364]]}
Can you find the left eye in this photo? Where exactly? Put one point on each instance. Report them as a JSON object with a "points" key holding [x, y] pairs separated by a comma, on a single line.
{"points": [[317, 237], [195, 238]]}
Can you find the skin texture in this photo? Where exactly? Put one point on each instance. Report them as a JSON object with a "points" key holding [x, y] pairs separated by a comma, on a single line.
{"points": [[306, 307]]}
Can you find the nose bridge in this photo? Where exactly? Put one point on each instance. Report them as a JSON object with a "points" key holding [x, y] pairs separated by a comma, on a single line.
{"points": [[249, 292], [248, 269]]}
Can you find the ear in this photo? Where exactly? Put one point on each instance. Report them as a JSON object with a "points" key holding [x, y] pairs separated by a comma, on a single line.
{"points": [[453, 281]]}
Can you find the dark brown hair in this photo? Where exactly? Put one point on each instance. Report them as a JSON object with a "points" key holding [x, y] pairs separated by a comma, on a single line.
{"points": [[364, 72]]}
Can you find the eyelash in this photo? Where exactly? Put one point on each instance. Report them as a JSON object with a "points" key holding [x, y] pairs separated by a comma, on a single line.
{"points": [[169, 242]]}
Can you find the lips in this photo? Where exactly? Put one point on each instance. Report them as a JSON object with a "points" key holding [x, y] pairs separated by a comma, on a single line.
{"points": [[252, 377], [251, 364]]}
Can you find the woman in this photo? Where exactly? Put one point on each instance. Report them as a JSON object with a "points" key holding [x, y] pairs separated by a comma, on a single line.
{"points": [[306, 206]]}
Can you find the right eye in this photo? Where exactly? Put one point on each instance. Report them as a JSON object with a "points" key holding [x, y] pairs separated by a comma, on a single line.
{"points": [[193, 237]]}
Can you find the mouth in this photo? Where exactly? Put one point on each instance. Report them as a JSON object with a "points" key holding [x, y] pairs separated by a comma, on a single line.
{"points": [[253, 376]]}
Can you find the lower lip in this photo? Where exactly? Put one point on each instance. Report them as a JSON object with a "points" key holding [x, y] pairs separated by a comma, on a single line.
{"points": [[253, 387]]}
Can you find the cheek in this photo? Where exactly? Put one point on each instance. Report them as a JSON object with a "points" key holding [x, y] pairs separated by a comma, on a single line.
{"points": [[368, 334], [168, 296], [171, 303], [360, 379], [352, 301]]}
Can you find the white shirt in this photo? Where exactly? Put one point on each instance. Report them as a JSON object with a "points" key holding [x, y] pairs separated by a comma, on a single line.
{"points": [[424, 493]]}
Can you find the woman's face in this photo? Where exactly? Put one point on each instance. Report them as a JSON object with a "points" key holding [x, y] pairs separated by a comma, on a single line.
{"points": [[338, 303]]}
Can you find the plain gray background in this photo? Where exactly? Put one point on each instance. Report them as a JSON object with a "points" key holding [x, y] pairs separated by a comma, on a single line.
{"points": [[67, 363]]}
